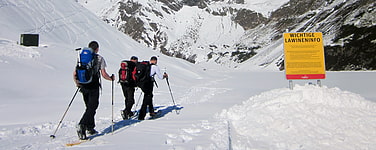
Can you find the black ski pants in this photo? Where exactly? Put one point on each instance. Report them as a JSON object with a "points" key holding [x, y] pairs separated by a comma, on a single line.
{"points": [[147, 101], [91, 99], [128, 92]]}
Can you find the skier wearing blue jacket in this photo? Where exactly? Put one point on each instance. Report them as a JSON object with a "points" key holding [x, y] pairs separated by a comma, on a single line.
{"points": [[90, 93]]}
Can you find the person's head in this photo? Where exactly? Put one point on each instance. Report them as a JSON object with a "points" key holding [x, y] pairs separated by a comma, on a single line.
{"points": [[134, 59], [153, 60], [94, 45]]}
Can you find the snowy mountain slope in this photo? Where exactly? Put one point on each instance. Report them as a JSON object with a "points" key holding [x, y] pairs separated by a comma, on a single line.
{"points": [[36, 87], [190, 32], [199, 31], [61, 30], [32, 72]]}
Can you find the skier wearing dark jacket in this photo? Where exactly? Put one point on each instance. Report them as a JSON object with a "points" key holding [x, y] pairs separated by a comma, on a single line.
{"points": [[147, 88], [90, 93], [128, 91]]}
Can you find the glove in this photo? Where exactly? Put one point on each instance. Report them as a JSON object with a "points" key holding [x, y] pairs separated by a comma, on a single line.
{"points": [[78, 85], [112, 77], [165, 75]]}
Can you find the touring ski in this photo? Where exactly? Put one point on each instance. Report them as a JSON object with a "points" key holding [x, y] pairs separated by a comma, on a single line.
{"points": [[76, 142]]}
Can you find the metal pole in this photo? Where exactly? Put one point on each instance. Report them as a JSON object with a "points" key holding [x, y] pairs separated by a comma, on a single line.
{"points": [[291, 86], [319, 83], [138, 101], [172, 97], [61, 120], [112, 102]]}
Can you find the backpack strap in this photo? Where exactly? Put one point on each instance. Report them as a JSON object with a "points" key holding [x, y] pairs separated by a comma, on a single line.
{"points": [[97, 66], [152, 76], [99, 73]]}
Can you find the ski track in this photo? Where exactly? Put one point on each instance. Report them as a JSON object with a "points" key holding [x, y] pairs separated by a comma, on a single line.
{"points": [[195, 95], [37, 136], [30, 136], [201, 94], [46, 25], [204, 92]]}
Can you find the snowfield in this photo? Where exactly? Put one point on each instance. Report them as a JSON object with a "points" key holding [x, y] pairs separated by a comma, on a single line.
{"points": [[217, 108]]}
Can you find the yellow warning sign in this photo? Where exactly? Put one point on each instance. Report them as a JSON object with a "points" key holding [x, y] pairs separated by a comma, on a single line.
{"points": [[304, 55]]}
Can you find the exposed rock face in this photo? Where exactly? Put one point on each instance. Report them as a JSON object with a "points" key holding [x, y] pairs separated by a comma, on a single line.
{"points": [[348, 28]]}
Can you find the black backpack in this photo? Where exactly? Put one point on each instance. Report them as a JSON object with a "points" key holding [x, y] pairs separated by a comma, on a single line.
{"points": [[86, 68], [142, 73], [126, 72]]}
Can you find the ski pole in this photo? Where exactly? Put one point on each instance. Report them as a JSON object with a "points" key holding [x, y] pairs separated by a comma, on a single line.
{"points": [[138, 101], [112, 102], [61, 120], [172, 97]]}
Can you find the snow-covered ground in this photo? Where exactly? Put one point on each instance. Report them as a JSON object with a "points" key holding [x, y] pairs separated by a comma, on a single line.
{"points": [[216, 108]]}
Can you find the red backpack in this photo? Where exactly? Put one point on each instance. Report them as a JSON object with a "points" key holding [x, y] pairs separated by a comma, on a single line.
{"points": [[126, 72]]}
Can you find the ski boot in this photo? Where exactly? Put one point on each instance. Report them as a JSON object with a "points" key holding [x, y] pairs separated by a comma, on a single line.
{"points": [[81, 132]]}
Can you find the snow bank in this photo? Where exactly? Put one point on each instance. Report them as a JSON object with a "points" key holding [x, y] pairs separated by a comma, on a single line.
{"points": [[17, 51], [308, 117]]}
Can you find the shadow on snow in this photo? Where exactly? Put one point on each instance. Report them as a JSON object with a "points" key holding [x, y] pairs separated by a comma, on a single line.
{"points": [[123, 124]]}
